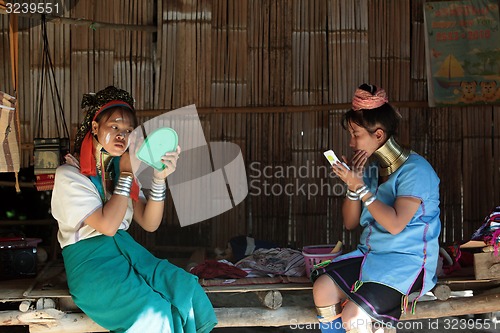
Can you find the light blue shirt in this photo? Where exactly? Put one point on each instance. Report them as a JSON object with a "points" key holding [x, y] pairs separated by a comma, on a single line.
{"points": [[397, 260]]}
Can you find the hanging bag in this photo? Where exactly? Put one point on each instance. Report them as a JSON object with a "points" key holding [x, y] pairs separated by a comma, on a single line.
{"points": [[10, 160], [9, 148]]}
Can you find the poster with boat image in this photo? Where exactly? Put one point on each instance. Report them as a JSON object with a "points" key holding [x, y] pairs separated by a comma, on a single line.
{"points": [[462, 40]]}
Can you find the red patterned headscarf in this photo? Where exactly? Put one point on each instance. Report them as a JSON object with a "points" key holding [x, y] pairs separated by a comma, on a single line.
{"points": [[87, 158], [110, 97], [364, 100]]}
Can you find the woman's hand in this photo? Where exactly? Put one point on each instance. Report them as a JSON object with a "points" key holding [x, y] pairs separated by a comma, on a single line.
{"points": [[358, 161], [125, 164], [170, 161], [354, 177]]}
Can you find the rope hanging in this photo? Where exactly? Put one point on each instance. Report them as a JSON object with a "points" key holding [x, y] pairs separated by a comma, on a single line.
{"points": [[48, 151]]}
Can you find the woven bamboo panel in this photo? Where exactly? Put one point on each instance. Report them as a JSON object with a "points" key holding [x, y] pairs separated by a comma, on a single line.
{"points": [[262, 58], [477, 166], [496, 154], [418, 88], [389, 46], [445, 150]]}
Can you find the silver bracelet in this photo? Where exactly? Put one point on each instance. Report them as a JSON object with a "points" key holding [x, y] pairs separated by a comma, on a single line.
{"points": [[370, 200], [363, 193], [351, 195], [158, 190], [361, 189], [124, 184]]}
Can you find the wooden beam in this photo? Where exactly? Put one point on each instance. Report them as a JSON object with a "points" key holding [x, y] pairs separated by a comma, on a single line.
{"points": [[89, 23], [45, 321], [279, 109], [50, 321], [257, 287], [250, 317], [101, 25], [10, 318], [286, 316], [13, 183], [456, 307]]}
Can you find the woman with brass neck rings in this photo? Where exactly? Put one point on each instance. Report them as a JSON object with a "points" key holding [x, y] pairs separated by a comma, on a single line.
{"points": [[395, 199], [112, 278]]}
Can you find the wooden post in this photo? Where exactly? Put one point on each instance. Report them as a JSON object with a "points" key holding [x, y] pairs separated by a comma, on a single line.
{"points": [[45, 303], [24, 306], [271, 299], [442, 292]]}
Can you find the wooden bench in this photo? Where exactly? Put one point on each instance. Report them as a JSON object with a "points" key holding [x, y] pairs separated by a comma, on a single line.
{"points": [[265, 304]]}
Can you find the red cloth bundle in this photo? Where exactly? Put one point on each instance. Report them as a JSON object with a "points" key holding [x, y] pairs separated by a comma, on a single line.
{"points": [[210, 269]]}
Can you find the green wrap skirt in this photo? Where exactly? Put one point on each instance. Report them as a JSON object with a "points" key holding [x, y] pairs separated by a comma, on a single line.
{"points": [[124, 288]]}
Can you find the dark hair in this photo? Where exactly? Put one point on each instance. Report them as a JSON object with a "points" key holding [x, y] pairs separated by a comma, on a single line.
{"points": [[105, 114], [384, 116], [91, 103]]}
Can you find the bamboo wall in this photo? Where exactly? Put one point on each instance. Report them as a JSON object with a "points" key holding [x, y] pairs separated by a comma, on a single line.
{"points": [[273, 76]]}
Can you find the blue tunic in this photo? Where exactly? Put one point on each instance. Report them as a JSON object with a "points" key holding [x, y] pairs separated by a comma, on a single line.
{"points": [[397, 260]]}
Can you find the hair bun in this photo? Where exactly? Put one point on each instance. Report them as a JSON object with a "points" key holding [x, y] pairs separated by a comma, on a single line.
{"points": [[372, 89], [88, 100]]}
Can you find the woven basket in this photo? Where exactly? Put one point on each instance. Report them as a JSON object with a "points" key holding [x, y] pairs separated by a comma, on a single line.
{"points": [[315, 254]]}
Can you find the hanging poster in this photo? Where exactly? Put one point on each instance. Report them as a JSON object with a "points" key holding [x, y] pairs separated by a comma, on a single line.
{"points": [[462, 41]]}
